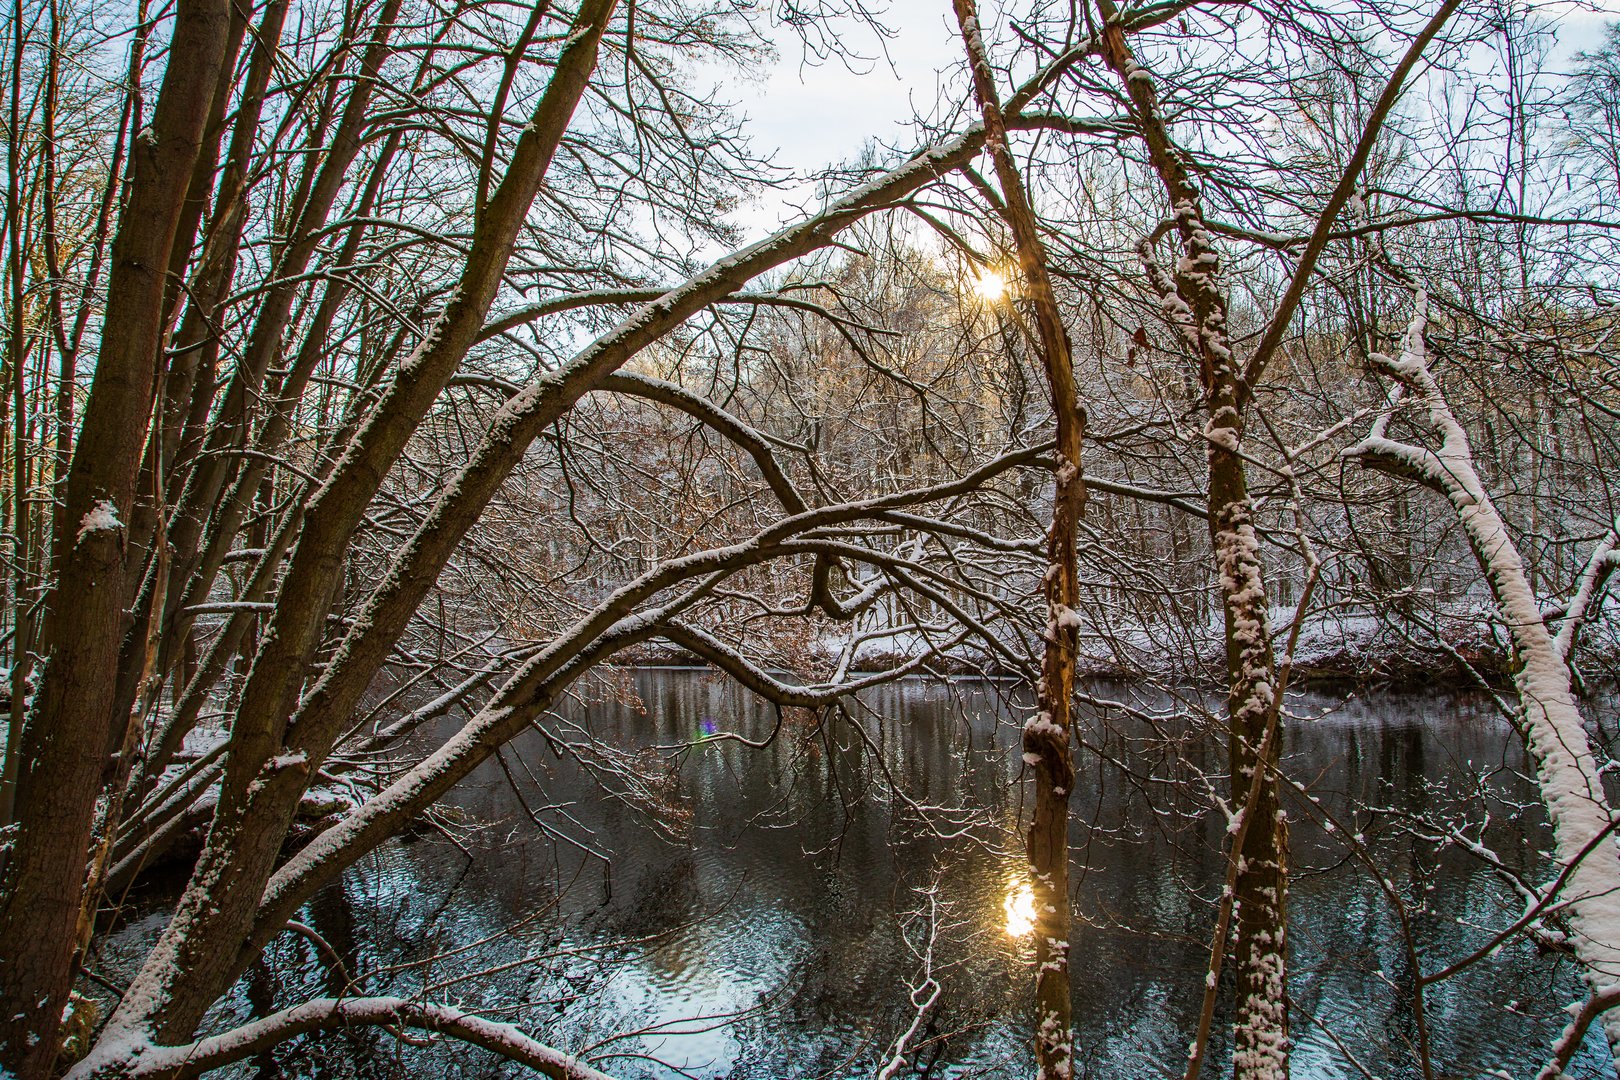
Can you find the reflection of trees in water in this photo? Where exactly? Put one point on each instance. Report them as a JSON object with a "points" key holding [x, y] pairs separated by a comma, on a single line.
{"points": [[789, 894]]}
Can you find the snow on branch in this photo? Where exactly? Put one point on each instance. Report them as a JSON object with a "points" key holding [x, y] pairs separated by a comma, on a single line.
{"points": [[1569, 1041], [767, 686], [1416, 463], [1566, 770], [1605, 558], [137, 1060], [612, 624]]}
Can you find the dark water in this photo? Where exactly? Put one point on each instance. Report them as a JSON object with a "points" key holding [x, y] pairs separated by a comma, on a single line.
{"points": [[726, 911]]}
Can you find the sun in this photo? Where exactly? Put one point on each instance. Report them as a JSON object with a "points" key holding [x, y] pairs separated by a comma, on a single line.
{"points": [[990, 284]]}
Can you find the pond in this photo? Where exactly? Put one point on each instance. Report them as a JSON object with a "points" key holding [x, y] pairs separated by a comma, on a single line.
{"points": [[682, 903]]}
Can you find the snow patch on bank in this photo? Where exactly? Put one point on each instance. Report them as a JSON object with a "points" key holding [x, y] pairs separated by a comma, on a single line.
{"points": [[1351, 643]]}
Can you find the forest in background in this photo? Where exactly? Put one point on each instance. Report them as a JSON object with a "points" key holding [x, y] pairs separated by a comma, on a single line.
{"points": [[386, 361]]}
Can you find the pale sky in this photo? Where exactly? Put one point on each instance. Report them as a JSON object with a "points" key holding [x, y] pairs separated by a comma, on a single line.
{"points": [[1581, 30], [824, 113], [815, 115]]}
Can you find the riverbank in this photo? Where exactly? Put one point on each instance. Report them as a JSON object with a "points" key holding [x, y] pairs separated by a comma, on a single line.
{"points": [[1458, 649]]}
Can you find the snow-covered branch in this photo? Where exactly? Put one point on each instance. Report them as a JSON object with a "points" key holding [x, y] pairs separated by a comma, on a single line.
{"points": [[1589, 584], [1571, 785], [136, 1059]]}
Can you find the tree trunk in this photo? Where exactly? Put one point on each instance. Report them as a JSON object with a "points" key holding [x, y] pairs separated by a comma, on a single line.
{"points": [[70, 730], [1260, 914], [1048, 745], [1571, 785], [1197, 307], [196, 959]]}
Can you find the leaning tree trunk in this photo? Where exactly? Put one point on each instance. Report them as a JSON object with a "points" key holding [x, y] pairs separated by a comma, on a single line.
{"points": [[1193, 299], [70, 729], [196, 958], [1566, 770], [1047, 742]]}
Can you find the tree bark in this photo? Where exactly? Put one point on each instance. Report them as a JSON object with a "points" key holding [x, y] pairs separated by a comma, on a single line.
{"points": [[1193, 299], [70, 729], [1048, 744], [1566, 770], [195, 960]]}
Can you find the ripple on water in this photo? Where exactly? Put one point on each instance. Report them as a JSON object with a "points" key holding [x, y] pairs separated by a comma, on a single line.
{"points": [[780, 936]]}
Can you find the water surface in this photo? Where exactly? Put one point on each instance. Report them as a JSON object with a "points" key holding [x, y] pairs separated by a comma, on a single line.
{"points": [[730, 911]]}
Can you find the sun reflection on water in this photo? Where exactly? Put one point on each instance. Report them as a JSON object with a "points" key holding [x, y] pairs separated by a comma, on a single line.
{"points": [[1020, 905]]}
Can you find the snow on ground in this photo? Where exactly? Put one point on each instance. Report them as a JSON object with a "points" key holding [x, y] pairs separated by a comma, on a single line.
{"points": [[1355, 644]]}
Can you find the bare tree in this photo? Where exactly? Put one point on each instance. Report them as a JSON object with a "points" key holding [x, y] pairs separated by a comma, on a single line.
{"points": [[1047, 738], [429, 385], [1552, 724]]}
